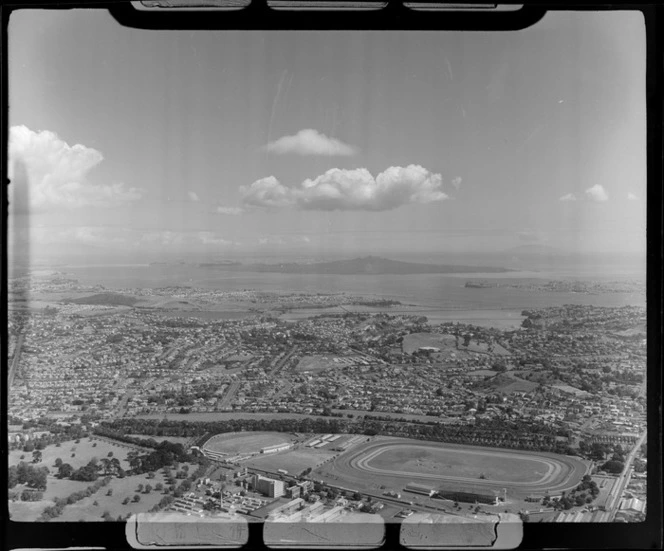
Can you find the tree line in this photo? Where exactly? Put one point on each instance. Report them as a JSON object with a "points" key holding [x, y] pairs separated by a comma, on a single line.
{"points": [[506, 434]]}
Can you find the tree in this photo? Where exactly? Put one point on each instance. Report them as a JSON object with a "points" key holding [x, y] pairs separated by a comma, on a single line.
{"points": [[12, 478], [36, 456], [37, 478], [31, 495], [58, 462], [137, 498], [159, 487], [125, 501], [65, 470], [148, 489], [140, 488], [613, 466]]}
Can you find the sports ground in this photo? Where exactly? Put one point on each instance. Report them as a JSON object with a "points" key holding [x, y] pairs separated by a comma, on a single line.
{"points": [[245, 442], [395, 462]]}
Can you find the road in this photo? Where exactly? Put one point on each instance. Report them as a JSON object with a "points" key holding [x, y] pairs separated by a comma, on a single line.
{"points": [[282, 361], [228, 397], [615, 496]]}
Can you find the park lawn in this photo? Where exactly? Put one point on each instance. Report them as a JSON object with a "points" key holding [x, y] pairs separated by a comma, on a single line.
{"points": [[27, 511], [63, 488], [84, 451], [122, 488]]}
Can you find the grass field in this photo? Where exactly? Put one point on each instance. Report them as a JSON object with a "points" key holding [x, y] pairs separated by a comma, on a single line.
{"points": [[245, 442], [121, 488], [315, 364], [83, 452], [456, 463], [507, 383]]}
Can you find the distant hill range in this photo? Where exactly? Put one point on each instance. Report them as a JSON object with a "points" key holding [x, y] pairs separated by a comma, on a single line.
{"points": [[105, 299], [372, 265]]}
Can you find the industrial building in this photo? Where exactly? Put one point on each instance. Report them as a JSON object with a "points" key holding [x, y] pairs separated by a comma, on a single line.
{"points": [[268, 486]]}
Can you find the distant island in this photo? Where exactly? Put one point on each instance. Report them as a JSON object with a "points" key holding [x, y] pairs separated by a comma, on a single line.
{"points": [[370, 265]]}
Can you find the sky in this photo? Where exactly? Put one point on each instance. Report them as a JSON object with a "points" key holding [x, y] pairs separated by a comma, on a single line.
{"points": [[226, 142]]}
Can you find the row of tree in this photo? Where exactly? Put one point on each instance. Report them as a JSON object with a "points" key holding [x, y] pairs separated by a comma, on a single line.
{"points": [[60, 503], [501, 433], [24, 473]]}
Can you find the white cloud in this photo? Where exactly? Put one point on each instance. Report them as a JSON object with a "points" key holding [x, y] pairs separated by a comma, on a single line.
{"points": [[57, 172], [597, 193], [266, 192], [310, 142], [357, 189], [456, 182], [632, 197], [568, 197], [232, 211], [193, 196]]}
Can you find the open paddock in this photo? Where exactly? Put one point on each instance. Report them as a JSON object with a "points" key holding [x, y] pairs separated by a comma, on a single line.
{"points": [[395, 462]]}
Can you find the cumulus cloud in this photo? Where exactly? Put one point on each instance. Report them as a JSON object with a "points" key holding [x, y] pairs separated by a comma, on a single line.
{"points": [[597, 193], [57, 172], [356, 189], [632, 197], [266, 192], [456, 182], [193, 196], [231, 211], [310, 142], [568, 197]]}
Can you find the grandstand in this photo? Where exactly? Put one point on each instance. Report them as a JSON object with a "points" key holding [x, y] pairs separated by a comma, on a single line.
{"points": [[489, 497], [276, 448]]}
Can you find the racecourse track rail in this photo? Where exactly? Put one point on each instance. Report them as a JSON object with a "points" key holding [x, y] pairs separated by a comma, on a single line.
{"points": [[561, 472]]}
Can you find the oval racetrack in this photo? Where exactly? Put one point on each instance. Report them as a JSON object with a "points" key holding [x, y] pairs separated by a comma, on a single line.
{"points": [[546, 472]]}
